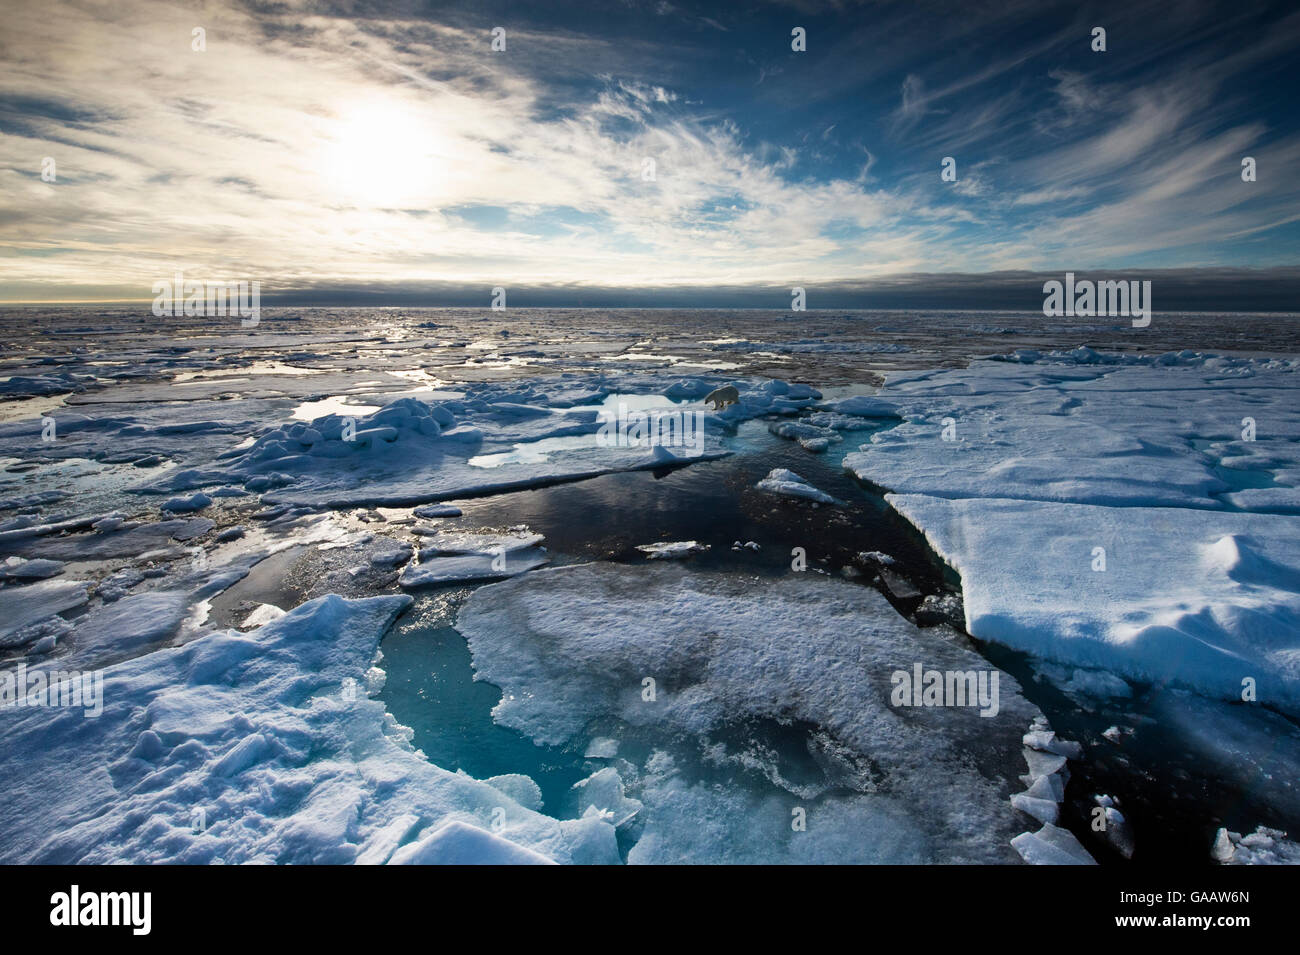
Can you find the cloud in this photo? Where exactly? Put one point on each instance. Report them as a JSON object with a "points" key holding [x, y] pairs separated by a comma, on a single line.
{"points": [[308, 144]]}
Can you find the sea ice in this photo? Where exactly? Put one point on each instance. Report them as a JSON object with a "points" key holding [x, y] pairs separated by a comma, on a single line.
{"points": [[469, 567], [672, 550], [1264, 846], [459, 843], [571, 645], [1051, 845], [27, 604], [255, 747], [1089, 502], [1219, 607], [788, 484]]}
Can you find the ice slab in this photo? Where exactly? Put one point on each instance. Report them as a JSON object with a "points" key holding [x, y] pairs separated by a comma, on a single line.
{"points": [[1179, 430], [459, 843], [15, 568], [672, 550], [27, 604], [571, 645], [1200, 599], [1051, 845]]}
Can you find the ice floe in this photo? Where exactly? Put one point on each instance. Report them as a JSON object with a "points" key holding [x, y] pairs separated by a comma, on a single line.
{"points": [[257, 747], [571, 645], [1202, 599], [1093, 506], [672, 550], [788, 484]]}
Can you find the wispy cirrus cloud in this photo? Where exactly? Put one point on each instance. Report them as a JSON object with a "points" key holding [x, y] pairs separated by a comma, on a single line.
{"points": [[311, 143]]}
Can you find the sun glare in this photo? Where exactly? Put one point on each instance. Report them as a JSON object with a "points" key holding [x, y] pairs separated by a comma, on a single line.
{"points": [[382, 155]]}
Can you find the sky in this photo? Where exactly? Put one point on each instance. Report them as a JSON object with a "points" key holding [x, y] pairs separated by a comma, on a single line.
{"points": [[645, 151]]}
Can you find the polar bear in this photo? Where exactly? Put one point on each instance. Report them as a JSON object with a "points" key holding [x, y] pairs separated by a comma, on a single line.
{"points": [[722, 397]]}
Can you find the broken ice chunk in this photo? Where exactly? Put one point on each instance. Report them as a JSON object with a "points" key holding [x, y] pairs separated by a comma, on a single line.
{"points": [[788, 484], [1051, 846], [1044, 810], [183, 505], [15, 568], [672, 550], [1116, 830], [1264, 846]]}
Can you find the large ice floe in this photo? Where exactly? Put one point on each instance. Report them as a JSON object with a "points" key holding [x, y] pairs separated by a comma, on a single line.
{"points": [[1133, 513], [258, 747], [688, 664]]}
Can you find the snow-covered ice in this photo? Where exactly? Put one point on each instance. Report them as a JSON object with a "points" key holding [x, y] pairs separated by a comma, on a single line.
{"points": [[255, 747], [1264, 846], [570, 645], [672, 550], [786, 483], [1089, 502], [1189, 597]]}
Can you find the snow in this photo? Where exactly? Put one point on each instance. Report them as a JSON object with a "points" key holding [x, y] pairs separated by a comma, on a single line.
{"points": [[180, 505], [1027, 473], [864, 406], [459, 843], [1128, 433], [262, 614], [788, 484], [1055, 454], [1200, 599], [573, 645], [254, 735]]}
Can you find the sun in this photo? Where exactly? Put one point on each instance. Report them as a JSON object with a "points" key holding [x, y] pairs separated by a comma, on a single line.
{"points": [[382, 155]]}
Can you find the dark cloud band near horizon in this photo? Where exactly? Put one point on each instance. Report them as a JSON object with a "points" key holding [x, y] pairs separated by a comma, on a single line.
{"points": [[1173, 290]]}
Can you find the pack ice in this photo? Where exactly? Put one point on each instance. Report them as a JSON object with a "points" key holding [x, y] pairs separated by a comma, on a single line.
{"points": [[1136, 513], [496, 437], [573, 647], [259, 747]]}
